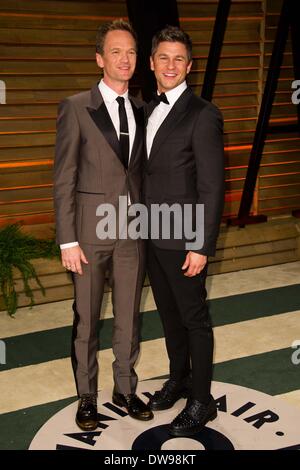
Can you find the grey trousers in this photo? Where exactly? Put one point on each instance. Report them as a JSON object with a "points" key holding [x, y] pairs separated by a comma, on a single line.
{"points": [[125, 262]]}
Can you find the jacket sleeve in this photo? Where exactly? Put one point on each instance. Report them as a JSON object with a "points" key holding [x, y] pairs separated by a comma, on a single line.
{"points": [[65, 172], [208, 148]]}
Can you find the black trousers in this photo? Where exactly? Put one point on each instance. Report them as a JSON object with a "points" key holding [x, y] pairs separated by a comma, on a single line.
{"points": [[181, 302]]}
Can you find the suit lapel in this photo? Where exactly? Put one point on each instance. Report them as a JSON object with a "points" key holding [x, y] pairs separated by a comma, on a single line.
{"points": [[149, 109], [171, 121], [139, 121], [101, 118]]}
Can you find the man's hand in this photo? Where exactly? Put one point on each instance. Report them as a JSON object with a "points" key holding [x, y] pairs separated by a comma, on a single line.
{"points": [[194, 263], [71, 259]]}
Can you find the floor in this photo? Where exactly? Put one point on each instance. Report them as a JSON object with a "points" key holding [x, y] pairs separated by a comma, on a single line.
{"points": [[256, 317]]}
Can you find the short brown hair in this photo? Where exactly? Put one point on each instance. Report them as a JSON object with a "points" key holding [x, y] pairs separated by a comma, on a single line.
{"points": [[116, 25], [172, 34]]}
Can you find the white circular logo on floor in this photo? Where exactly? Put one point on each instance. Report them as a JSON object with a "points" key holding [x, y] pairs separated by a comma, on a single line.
{"points": [[247, 419]]}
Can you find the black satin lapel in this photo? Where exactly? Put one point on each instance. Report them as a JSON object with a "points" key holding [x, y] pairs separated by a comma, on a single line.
{"points": [[139, 132], [149, 109], [104, 123]]}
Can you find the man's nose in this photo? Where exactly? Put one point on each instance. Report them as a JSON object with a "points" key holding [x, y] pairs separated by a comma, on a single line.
{"points": [[125, 57], [171, 64]]}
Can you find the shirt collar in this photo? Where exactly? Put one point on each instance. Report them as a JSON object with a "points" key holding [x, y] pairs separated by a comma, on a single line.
{"points": [[175, 93], [108, 94]]}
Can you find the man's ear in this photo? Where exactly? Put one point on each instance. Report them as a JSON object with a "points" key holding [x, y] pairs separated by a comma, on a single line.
{"points": [[99, 60], [151, 64], [189, 67]]}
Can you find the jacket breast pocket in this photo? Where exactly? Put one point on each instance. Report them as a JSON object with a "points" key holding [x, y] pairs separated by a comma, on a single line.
{"points": [[175, 141]]}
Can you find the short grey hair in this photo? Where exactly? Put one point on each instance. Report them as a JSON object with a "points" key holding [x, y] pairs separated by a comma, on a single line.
{"points": [[116, 25]]}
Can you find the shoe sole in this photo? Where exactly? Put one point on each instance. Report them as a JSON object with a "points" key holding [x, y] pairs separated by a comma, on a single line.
{"points": [[140, 418], [186, 433], [167, 407]]}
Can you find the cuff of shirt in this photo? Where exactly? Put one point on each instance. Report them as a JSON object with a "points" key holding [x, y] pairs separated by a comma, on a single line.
{"points": [[68, 245]]}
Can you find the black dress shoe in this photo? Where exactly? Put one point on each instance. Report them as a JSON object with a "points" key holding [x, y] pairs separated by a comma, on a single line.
{"points": [[171, 391], [135, 407], [86, 416], [193, 418]]}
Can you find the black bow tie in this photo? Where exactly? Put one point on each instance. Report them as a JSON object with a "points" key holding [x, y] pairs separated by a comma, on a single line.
{"points": [[160, 98]]}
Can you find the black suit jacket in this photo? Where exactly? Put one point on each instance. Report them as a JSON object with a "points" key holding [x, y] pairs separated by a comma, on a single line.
{"points": [[186, 166]]}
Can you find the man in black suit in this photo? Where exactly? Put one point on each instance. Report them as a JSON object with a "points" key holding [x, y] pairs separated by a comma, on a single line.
{"points": [[184, 166]]}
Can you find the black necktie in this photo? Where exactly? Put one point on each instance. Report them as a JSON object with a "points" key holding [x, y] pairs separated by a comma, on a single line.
{"points": [[124, 132], [160, 98]]}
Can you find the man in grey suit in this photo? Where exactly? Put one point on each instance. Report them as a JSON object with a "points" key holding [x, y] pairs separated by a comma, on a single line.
{"points": [[99, 158], [185, 168]]}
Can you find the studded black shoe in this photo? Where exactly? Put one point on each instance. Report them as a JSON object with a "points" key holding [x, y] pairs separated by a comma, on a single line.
{"points": [[171, 391], [193, 418]]}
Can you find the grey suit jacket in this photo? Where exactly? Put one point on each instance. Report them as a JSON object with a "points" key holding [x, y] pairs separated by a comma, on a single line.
{"points": [[88, 168]]}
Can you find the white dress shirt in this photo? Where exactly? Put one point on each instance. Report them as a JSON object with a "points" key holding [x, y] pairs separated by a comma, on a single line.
{"points": [[160, 113], [109, 97]]}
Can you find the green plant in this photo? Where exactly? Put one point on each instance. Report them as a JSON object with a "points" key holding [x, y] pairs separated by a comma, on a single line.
{"points": [[16, 251]]}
